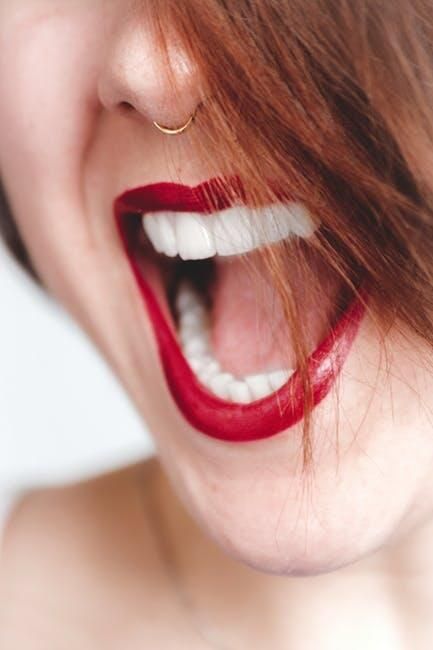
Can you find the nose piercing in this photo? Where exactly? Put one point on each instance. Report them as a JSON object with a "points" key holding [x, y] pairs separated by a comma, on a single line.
{"points": [[176, 131]]}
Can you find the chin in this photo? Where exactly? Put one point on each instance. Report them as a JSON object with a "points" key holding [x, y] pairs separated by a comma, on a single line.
{"points": [[276, 521]]}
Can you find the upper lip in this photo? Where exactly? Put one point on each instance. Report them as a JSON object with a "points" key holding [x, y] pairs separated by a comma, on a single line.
{"points": [[210, 196]]}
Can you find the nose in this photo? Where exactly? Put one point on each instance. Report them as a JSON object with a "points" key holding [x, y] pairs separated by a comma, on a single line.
{"points": [[135, 76]]}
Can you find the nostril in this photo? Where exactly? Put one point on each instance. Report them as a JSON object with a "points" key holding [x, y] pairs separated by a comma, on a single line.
{"points": [[126, 107]]}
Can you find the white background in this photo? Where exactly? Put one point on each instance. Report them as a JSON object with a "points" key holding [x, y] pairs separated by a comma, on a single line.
{"points": [[63, 416]]}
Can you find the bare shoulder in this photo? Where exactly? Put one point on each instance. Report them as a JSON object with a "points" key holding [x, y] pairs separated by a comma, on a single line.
{"points": [[78, 516], [76, 558]]}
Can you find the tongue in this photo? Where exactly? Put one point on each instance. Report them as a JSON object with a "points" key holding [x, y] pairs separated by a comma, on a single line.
{"points": [[249, 330]]}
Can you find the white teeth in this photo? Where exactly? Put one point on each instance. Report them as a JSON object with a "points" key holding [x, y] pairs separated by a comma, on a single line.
{"points": [[195, 239], [192, 323], [234, 231], [195, 347], [196, 364], [194, 338], [302, 224], [259, 386], [168, 234], [209, 370], [239, 392], [153, 230], [161, 232], [186, 299], [278, 378], [219, 384]]}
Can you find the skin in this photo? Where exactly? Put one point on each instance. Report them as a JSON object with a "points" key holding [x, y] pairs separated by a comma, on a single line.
{"points": [[352, 539]]}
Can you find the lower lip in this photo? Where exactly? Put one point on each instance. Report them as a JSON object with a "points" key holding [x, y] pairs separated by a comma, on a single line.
{"points": [[260, 419]]}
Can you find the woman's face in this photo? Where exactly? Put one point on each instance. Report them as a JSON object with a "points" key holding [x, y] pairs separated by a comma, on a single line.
{"points": [[68, 149]]}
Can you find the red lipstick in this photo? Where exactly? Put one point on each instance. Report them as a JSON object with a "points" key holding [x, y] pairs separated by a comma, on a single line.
{"points": [[205, 412]]}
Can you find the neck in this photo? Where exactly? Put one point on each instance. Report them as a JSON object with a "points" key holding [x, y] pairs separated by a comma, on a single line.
{"points": [[383, 601]]}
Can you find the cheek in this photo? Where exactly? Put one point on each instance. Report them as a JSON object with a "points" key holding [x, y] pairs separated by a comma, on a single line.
{"points": [[47, 73], [47, 70], [50, 62]]}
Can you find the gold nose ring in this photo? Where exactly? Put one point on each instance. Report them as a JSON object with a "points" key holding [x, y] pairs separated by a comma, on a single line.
{"points": [[176, 131]]}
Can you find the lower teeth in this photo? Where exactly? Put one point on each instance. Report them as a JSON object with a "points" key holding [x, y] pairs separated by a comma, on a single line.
{"points": [[194, 330]]}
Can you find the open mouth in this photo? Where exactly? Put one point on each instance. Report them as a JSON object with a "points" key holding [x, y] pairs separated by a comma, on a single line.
{"points": [[195, 254]]}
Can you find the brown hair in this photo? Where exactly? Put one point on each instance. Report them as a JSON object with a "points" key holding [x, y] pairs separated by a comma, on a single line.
{"points": [[333, 100]]}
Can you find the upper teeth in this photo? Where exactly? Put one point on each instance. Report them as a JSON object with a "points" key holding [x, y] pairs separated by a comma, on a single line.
{"points": [[236, 230]]}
